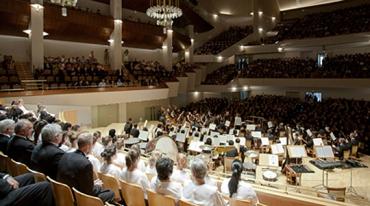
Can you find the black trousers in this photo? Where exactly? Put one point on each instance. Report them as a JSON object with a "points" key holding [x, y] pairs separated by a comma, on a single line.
{"points": [[103, 194], [29, 193]]}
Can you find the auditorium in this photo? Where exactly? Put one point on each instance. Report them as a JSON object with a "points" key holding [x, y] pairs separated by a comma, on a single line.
{"points": [[184, 102]]}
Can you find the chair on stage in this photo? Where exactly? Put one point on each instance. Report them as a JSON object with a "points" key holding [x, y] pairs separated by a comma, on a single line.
{"points": [[346, 154], [227, 163], [3, 162], [236, 202], [186, 203], [132, 194], [110, 182], [62, 193], [83, 199], [39, 177], [158, 199]]}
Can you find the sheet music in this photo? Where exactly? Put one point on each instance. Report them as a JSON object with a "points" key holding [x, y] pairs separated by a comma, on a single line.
{"points": [[265, 141], [324, 152], [269, 124], [269, 160], [257, 134], [227, 123], [309, 133], [180, 137], [212, 126], [214, 134], [230, 137], [297, 151], [215, 141], [204, 130], [195, 146], [143, 135], [332, 136], [283, 140], [242, 140], [277, 149], [238, 121], [251, 127], [231, 132], [223, 138], [317, 142]]}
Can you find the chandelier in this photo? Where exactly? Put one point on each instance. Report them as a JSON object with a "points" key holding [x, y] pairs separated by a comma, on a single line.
{"points": [[164, 11], [72, 3]]}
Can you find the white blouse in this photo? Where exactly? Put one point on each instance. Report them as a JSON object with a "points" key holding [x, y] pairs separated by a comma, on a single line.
{"points": [[204, 195], [136, 177], [174, 189], [180, 176], [244, 191], [110, 169]]}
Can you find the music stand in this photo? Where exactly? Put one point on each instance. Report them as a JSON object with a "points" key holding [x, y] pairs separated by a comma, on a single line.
{"points": [[297, 151], [324, 152], [352, 190]]}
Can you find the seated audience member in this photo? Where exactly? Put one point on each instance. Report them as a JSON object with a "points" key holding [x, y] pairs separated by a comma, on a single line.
{"points": [[108, 167], [6, 131], [98, 148], [150, 168], [237, 189], [162, 184], [140, 164], [131, 174], [179, 174], [120, 159], [46, 155], [22, 191], [20, 147], [38, 125], [76, 170], [197, 191], [128, 126]]}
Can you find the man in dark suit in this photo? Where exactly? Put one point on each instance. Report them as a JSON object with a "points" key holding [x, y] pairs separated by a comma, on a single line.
{"points": [[76, 170], [46, 156], [128, 126], [6, 131], [233, 152], [19, 146], [22, 190]]}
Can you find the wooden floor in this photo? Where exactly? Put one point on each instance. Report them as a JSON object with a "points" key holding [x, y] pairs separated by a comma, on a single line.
{"points": [[336, 178]]}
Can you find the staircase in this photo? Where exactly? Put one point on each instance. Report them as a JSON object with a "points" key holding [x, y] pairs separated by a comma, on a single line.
{"points": [[26, 77]]}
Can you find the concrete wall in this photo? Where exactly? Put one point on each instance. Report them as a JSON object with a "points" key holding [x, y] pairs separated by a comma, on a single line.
{"points": [[138, 110]]}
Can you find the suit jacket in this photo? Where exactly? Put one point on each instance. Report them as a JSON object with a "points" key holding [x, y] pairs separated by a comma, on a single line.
{"points": [[75, 170], [45, 158], [5, 188], [4, 142], [20, 149]]}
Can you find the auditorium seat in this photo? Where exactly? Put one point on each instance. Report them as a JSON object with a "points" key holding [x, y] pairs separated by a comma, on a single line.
{"points": [[62, 193], [21, 168], [110, 182], [12, 167], [186, 203], [132, 194], [84, 199], [235, 202], [155, 199], [39, 177], [3, 162]]}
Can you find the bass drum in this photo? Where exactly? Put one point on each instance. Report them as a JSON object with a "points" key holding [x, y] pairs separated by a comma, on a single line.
{"points": [[167, 146]]}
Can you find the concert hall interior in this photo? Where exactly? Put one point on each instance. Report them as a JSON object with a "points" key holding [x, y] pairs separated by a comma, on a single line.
{"points": [[185, 102]]}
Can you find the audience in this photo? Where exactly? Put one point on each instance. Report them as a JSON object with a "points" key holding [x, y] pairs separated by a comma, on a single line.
{"points": [[76, 170], [20, 146], [108, 167], [131, 174], [180, 174], [338, 22], [46, 155], [6, 131], [236, 189], [224, 40], [163, 184], [197, 191], [9, 78], [23, 191]]}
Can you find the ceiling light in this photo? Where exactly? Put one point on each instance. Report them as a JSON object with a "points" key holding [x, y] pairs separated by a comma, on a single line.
{"points": [[273, 18], [38, 7], [164, 11], [28, 31], [260, 13], [280, 49], [260, 29], [251, 13]]}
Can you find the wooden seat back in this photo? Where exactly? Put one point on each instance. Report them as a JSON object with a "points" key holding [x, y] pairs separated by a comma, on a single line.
{"points": [[83, 199], [158, 199], [39, 177], [62, 193], [132, 194], [110, 182]]}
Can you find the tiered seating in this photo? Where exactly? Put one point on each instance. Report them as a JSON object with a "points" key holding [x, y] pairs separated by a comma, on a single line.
{"points": [[222, 75], [148, 73], [8, 75], [224, 40], [339, 22], [78, 72]]}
